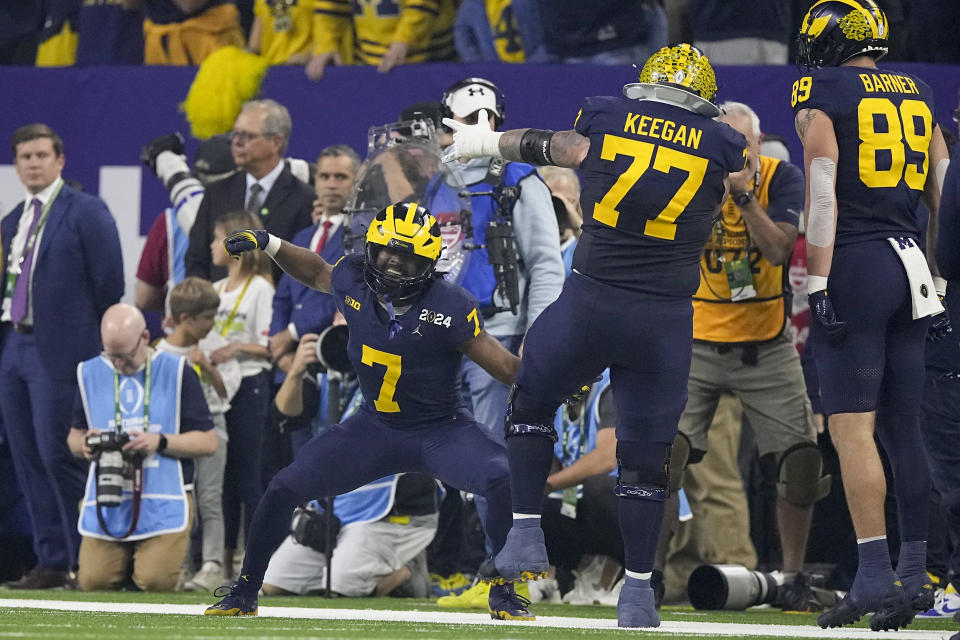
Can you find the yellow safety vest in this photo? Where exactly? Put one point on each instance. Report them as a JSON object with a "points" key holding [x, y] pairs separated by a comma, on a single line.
{"points": [[716, 318]]}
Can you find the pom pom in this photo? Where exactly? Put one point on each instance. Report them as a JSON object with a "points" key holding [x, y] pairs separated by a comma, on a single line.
{"points": [[226, 79]]}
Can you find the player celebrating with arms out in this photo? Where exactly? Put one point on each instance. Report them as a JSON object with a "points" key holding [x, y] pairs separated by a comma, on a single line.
{"points": [[408, 332], [654, 165], [871, 147]]}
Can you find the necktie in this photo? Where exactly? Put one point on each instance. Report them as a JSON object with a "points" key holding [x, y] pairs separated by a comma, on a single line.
{"points": [[255, 201], [18, 303], [322, 242]]}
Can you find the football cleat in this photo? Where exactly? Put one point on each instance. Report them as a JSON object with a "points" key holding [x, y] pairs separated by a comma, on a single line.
{"points": [[475, 597], [524, 554], [920, 591], [504, 603], [636, 606], [450, 586], [888, 600], [946, 603], [238, 599]]}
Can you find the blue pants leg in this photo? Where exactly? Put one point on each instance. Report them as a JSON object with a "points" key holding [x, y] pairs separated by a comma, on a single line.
{"points": [[36, 414], [242, 486]]}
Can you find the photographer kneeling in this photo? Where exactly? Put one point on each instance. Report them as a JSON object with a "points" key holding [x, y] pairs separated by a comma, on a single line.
{"points": [[139, 416]]}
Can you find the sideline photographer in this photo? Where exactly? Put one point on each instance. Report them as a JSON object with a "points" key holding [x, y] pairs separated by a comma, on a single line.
{"points": [[139, 416]]}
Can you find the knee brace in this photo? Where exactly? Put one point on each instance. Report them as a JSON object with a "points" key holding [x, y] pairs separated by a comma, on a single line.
{"points": [[526, 425], [799, 480], [679, 456], [644, 470]]}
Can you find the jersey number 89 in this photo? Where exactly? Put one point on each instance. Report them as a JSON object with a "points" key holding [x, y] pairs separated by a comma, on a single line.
{"points": [[910, 124]]}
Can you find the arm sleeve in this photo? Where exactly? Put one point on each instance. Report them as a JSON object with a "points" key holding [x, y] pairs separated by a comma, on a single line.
{"points": [[538, 243], [197, 258], [416, 21], [786, 194], [194, 412], [153, 268], [101, 248], [331, 22]]}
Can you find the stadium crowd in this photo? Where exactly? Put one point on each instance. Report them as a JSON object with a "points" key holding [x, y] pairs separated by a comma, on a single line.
{"points": [[754, 430]]}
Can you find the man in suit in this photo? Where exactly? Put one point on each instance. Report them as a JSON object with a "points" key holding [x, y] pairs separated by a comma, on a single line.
{"points": [[263, 184], [62, 270]]}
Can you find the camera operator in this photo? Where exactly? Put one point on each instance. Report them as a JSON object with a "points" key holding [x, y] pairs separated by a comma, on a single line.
{"points": [[137, 504]]}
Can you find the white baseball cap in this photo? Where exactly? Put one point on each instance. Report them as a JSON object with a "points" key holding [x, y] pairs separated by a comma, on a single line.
{"points": [[472, 95]]}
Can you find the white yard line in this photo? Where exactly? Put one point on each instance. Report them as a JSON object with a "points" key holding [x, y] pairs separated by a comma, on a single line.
{"points": [[714, 629]]}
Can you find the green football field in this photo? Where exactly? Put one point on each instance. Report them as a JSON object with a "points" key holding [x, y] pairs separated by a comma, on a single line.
{"points": [[136, 616]]}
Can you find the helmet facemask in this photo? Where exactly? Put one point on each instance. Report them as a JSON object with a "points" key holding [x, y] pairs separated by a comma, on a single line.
{"points": [[396, 272]]}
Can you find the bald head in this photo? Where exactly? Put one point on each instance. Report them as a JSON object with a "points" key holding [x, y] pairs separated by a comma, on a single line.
{"points": [[124, 334]]}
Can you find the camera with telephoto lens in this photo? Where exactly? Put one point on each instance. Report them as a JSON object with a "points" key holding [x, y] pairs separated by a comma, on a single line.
{"points": [[113, 465]]}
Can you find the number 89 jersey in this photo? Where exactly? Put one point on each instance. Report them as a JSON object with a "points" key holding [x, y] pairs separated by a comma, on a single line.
{"points": [[652, 183], [883, 123], [410, 379]]}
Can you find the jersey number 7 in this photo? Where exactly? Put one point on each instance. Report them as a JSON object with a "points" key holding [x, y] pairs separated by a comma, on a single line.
{"points": [[384, 402], [664, 159]]}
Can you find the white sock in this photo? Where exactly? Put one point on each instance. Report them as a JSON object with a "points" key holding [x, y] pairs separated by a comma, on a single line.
{"points": [[638, 576], [525, 516]]}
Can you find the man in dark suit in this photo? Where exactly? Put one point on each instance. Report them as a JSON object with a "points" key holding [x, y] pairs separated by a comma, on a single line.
{"points": [[263, 185], [61, 271]]}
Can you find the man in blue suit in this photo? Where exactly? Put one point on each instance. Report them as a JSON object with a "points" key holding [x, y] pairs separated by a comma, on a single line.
{"points": [[298, 310], [61, 270]]}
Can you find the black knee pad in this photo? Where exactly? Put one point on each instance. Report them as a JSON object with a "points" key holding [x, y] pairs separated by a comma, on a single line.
{"points": [[680, 455], [644, 472], [528, 424], [799, 479]]}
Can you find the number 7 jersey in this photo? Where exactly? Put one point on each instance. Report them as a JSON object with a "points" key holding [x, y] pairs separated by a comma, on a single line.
{"points": [[652, 185], [883, 124]]}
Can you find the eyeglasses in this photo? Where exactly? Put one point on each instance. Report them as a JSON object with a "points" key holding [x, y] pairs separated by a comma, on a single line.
{"points": [[127, 358], [243, 137]]}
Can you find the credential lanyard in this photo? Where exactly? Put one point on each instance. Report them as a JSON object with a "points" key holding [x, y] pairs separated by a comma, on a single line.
{"points": [[146, 396], [14, 275], [236, 305]]}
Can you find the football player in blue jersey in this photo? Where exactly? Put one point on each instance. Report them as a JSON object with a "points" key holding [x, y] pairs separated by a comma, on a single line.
{"points": [[871, 146], [408, 333], [654, 166]]}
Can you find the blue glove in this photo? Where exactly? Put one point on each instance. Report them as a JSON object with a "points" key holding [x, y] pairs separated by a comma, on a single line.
{"points": [[821, 309], [246, 240], [940, 326]]}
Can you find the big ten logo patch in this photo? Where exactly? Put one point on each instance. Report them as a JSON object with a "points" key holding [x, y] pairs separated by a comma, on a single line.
{"points": [[350, 302]]}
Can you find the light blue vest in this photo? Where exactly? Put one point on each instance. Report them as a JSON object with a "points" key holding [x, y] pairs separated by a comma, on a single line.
{"points": [[164, 507]]}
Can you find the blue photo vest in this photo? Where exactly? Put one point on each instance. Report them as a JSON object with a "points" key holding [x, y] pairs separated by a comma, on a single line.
{"points": [[164, 507], [479, 279], [177, 242]]}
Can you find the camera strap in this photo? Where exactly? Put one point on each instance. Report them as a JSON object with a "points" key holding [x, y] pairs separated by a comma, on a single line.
{"points": [[137, 465]]}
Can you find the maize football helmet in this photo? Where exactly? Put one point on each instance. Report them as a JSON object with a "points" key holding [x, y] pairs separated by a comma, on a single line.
{"points": [[680, 73], [833, 31], [402, 249]]}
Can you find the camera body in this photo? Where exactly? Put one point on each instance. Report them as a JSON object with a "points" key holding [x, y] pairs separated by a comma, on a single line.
{"points": [[114, 470]]}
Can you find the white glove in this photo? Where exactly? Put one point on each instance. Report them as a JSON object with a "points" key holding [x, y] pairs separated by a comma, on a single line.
{"points": [[472, 140]]}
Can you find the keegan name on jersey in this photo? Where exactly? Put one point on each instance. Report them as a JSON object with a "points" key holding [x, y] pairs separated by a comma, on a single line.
{"points": [[410, 379], [650, 183]]}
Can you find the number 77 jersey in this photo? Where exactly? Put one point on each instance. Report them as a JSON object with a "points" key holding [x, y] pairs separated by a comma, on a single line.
{"points": [[883, 122], [652, 185]]}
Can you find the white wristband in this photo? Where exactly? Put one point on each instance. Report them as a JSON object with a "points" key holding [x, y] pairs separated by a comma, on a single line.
{"points": [[273, 245], [940, 286], [816, 283]]}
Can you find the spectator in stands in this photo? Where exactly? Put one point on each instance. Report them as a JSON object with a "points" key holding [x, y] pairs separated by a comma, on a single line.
{"points": [[742, 31], [282, 31], [62, 269], [264, 185], [164, 432], [193, 306], [564, 188], [109, 33], [742, 340], [387, 524], [57, 39], [414, 31], [500, 32], [243, 318], [185, 32], [603, 31]]}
